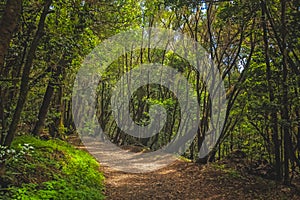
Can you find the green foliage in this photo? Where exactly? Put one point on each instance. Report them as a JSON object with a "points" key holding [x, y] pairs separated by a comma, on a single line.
{"points": [[8, 155], [54, 170], [232, 32]]}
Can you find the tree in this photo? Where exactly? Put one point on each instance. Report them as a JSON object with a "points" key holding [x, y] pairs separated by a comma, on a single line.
{"points": [[24, 88], [8, 25]]}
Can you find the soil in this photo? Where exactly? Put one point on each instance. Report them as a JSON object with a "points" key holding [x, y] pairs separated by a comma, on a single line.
{"points": [[184, 180], [187, 180]]}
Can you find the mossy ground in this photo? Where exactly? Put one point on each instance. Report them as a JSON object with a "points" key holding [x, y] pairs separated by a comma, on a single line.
{"points": [[53, 170]]}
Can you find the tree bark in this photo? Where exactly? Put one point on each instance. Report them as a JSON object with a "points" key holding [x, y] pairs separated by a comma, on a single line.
{"points": [[54, 80], [8, 25], [25, 76], [43, 110], [274, 119], [285, 103]]}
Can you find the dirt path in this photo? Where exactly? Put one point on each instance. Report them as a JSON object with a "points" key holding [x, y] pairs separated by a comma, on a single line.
{"points": [[173, 182], [184, 180]]}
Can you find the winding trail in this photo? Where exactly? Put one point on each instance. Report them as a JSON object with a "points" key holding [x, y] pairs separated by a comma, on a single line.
{"points": [[186, 180], [176, 181]]}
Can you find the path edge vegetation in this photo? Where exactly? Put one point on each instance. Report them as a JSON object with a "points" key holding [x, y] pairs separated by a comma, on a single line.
{"points": [[52, 169], [255, 45]]}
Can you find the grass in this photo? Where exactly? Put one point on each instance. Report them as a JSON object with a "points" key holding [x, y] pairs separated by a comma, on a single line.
{"points": [[53, 170]]}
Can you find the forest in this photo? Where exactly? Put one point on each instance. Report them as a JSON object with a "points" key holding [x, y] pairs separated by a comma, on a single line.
{"points": [[254, 46]]}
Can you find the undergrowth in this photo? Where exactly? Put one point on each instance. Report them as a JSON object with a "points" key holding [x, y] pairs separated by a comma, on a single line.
{"points": [[51, 170]]}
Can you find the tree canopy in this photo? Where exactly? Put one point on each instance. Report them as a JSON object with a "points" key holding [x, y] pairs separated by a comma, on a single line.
{"points": [[254, 44]]}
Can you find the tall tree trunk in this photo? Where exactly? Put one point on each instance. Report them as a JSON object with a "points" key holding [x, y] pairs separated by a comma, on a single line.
{"points": [[25, 76], [58, 126], [54, 80], [285, 113], [44, 109], [8, 25], [57, 71], [274, 119]]}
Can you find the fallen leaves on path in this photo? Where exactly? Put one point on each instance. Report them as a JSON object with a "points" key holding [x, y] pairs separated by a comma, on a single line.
{"points": [[187, 180], [184, 180]]}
